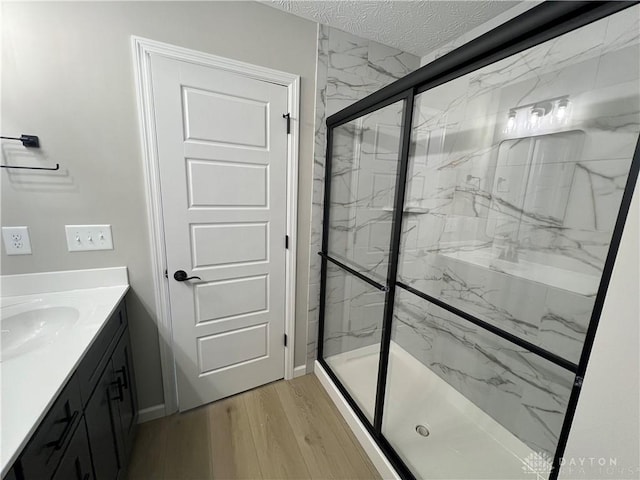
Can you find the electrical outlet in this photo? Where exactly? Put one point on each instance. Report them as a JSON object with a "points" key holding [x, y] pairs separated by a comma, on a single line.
{"points": [[88, 237], [16, 240]]}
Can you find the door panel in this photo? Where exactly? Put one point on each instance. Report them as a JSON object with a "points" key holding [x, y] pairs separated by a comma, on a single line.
{"points": [[222, 147], [218, 351], [230, 243], [212, 184], [219, 300], [244, 122]]}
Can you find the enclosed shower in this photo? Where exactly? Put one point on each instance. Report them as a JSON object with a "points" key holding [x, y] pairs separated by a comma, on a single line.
{"points": [[473, 211]]}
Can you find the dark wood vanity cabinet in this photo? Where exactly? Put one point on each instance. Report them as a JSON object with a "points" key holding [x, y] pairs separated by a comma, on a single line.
{"points": [[111, 413], [76, 462], [88, 432], [127, 399], [101, 417]]}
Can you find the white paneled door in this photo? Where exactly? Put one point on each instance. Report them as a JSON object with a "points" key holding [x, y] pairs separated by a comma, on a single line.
{"points": [[222, 152]]}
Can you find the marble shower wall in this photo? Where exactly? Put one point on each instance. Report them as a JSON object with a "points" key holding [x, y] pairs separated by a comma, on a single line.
{"points": [[365, 159], [348, 69], [524, 393], [513, 223], [353, 303]]}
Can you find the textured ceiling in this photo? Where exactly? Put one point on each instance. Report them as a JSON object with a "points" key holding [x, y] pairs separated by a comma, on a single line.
{"points": [[415, 26]]}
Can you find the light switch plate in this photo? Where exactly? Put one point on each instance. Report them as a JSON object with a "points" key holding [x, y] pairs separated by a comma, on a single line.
{"points": [[16, 240], [88, 237]]}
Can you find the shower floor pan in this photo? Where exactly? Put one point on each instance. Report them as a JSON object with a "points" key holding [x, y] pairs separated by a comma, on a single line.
{"points": [[462, 441]]}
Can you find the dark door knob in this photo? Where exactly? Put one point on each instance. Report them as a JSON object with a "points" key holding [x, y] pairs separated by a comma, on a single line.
{"points": [[181, 276]]}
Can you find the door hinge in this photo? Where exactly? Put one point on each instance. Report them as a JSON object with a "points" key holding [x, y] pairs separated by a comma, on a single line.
{"points": [[285, 340], [288, 117], [286, 242], [166, 274], [578, 381]]}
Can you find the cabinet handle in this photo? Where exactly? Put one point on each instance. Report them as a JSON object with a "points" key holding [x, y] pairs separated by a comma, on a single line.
{"points": [[57, 444], [125, 379], [118, 383]]}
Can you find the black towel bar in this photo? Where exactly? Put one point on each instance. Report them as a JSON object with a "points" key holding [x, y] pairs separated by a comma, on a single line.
{"points": [[29, 141], [57, 167]]}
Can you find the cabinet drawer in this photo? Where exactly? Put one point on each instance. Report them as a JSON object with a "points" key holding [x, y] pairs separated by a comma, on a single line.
{"points": [[97, 357], [44, 451], [76, 463]]}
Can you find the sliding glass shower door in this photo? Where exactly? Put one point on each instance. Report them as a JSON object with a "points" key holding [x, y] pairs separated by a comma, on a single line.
{"points": [[361, 191], [513, 189], [470, 231]]}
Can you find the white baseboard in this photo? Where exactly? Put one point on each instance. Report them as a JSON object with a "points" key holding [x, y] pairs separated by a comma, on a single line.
{"points": [[385, 469], [299, 371], [151, 413]]}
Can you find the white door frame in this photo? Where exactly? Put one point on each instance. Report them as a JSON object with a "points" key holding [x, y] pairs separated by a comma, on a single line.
{"points": [[142, 49]]}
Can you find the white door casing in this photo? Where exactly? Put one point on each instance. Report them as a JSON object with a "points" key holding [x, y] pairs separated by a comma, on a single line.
{"points": [[227, 198]]}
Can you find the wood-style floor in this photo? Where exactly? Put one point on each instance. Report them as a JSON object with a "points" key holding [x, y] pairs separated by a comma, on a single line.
{"points": [[283, 430]]}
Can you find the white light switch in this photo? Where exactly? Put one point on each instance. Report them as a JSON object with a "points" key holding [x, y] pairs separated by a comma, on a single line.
{"points": [[16, 240], [88, 237]]}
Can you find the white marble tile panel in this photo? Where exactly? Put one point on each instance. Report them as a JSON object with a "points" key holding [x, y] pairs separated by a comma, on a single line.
{"points": [[623, 29], [346, 86], [619, 66], [348, 53], [505, 381], [546, 393], [564, 323], [388, 63]]}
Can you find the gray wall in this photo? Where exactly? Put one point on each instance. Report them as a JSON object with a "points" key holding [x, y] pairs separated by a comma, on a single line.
{"points": [[67, 76]]}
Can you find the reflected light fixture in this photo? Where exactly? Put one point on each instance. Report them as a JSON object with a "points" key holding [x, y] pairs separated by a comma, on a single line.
{"points": [[511, 122], [534, 117], [539, 116], [561, 110], [538, 111]]}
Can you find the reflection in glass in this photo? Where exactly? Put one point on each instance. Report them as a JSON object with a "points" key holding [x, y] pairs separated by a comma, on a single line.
{"points": [[352, 333], [515, 180], [364, 164]]}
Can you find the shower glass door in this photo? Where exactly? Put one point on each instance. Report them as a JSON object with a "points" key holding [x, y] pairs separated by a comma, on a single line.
{"points": [[515, 178], [361, 191]]}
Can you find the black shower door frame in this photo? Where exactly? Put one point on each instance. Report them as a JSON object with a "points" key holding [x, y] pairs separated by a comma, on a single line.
{"points": [[539, 24]]}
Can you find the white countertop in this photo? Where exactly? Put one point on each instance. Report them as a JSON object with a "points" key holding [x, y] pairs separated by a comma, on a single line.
{"points": [[31, 382]]}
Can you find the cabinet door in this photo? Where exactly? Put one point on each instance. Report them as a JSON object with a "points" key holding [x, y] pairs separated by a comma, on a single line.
{"points": [[123, 369], [76, 462], [103, 426]]}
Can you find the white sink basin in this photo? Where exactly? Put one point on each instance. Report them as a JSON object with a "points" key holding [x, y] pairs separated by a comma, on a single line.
{"points": [[29, 330]]}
